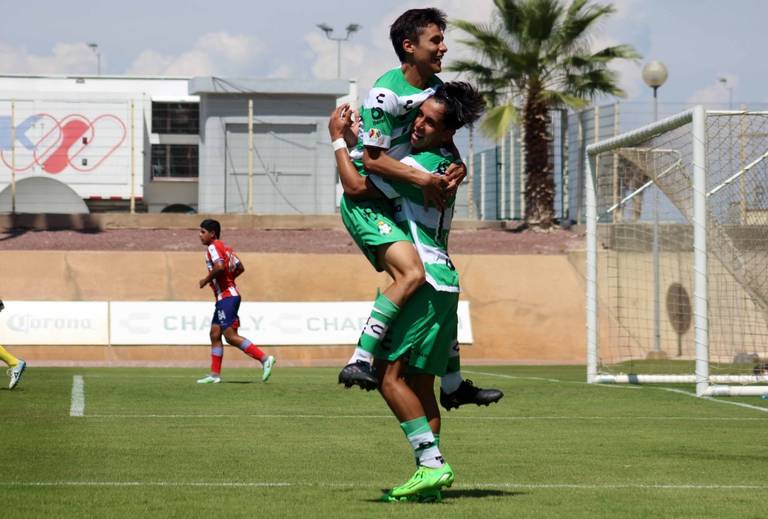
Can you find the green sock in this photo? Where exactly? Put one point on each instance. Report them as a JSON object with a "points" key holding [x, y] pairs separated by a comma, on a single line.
{"points": [[383, 313]]}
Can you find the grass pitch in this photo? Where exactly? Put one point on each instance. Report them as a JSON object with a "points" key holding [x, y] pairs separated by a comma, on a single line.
{"points": [[151, 442]]}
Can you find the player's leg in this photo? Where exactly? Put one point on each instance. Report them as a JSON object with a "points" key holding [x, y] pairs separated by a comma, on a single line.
{"points": [[230, 323], [217, 355], [394, 356], [16, 367], [455, 391], [387, 247]]}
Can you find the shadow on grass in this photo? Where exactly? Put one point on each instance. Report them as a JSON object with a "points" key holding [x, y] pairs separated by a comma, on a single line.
{"points": [[238, 381], [468, 493]]}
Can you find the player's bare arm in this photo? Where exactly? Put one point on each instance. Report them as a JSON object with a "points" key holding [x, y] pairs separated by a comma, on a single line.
{"points": [[218, 268], [376, 160], [340, 126]]}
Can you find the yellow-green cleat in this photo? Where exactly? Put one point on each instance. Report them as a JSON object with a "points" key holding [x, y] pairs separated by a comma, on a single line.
{"points": [[424, 480], [427, 496]]}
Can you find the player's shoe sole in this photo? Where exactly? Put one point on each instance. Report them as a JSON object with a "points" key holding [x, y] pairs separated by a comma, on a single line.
{"points": [[360, 374], [428, 496], [16, 372], [424, 480], [468, 393], [269, 363]]}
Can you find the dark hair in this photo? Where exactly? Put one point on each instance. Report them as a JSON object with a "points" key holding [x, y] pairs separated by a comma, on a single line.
{"points": [[410, 24], [463, 104], [211, 226]]}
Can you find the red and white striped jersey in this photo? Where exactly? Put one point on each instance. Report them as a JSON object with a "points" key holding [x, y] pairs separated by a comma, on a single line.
{"points": [[223, 284]]}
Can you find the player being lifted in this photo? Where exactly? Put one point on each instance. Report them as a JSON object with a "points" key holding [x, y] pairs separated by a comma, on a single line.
{"points": [[16, 366], [383, 138], [417, 345], [223, 267]]}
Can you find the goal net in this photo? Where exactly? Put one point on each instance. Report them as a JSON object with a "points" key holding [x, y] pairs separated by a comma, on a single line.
{"points": [[677, 254]]}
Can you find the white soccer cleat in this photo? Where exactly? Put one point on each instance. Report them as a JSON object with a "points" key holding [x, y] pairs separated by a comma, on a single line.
{"points": [[16, 372], [209, 379], [269, 363]]}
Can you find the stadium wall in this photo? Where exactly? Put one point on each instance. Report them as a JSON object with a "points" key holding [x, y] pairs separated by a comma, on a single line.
{"points": [[524, 308]]}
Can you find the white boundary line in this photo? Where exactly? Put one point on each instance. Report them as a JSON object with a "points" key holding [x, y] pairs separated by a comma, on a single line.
{"points": [[77, 407], [386, 417], [276, 484], [738, 404], [668, 389]]}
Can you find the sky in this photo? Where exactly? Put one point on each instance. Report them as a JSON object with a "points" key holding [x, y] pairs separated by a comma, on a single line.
{"points": [[700, 41]]}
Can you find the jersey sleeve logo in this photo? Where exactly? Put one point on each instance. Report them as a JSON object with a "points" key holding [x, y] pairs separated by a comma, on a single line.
{"points": [[374, 135]]}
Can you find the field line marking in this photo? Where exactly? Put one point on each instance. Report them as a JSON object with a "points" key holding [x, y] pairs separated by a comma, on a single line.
{"points": [[268, 484], [738, 404], [458, 418], [554, 380], [77, 407]]}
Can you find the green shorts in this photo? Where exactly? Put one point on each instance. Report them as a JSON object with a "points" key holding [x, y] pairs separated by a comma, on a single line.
{"points": [[424, 331], [370, 223]]}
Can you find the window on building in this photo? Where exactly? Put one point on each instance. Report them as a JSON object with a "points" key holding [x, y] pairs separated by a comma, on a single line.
{"points": [[176, 118], [174, 161]]}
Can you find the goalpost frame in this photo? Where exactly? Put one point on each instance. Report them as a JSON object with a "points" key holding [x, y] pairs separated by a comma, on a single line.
{"points": [[697, 117]]}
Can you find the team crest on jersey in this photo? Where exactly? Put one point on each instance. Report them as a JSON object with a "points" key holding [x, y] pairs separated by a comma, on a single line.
{"points": [[384, 228]]}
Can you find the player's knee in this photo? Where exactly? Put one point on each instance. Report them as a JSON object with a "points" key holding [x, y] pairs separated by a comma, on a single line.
{"points": [[413, 278]]}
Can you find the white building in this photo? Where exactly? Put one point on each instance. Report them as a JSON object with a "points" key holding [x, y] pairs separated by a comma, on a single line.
{"points": [[73, 144]]}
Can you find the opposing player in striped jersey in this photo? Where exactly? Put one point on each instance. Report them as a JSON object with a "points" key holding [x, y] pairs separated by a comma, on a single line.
{"points": [[223, 267], [383, 138], [418, 343]]}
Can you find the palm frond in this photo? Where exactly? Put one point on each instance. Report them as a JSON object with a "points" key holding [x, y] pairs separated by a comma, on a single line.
{"points": [[498, 119]]}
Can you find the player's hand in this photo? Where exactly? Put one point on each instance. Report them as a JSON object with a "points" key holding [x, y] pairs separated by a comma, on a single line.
{"points": [[203, 282], [455, 175], [434, 188], [343, 124]]}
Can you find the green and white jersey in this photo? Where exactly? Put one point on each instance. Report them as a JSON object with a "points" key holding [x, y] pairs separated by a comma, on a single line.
{"points": [[429, 228], [387, 115]]}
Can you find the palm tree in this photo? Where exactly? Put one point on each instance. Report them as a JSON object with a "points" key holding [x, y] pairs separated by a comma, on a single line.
{"points": [[534, 57]]}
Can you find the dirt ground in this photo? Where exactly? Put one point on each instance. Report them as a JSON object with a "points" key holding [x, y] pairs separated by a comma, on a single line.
{"points": [[322, 241]]}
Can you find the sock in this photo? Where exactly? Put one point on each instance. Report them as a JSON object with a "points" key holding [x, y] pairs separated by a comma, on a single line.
{"points": [[383, 313], [6, 357], [451, 381], [422, 442], [217, 354], [252, 350]]}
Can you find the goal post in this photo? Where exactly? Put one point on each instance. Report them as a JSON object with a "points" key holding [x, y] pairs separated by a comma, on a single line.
{"points": [[677, 246]]}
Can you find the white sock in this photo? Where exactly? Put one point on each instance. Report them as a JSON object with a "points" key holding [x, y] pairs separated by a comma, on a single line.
{"points": [[362, 355]]}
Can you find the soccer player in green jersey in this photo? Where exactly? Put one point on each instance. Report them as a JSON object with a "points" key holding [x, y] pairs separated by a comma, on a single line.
{"points": [[387, 115], [418, 343]]}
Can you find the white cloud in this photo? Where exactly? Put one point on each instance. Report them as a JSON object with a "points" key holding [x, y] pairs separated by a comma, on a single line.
{"points": [[65, 58], [217, 53], [716, 93]]}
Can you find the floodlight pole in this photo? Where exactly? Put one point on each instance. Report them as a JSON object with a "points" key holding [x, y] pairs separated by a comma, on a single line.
{"points": [[654, 75], [328, 31], [95, 48]]}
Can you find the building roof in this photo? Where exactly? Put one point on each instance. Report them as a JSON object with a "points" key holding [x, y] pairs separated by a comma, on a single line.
{"points": [[219, 85]]}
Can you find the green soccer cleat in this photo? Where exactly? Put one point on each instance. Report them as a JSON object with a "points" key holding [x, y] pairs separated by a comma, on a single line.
{"points": [[428, 496], [269, 363], [209, 379], [425, 480]]}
